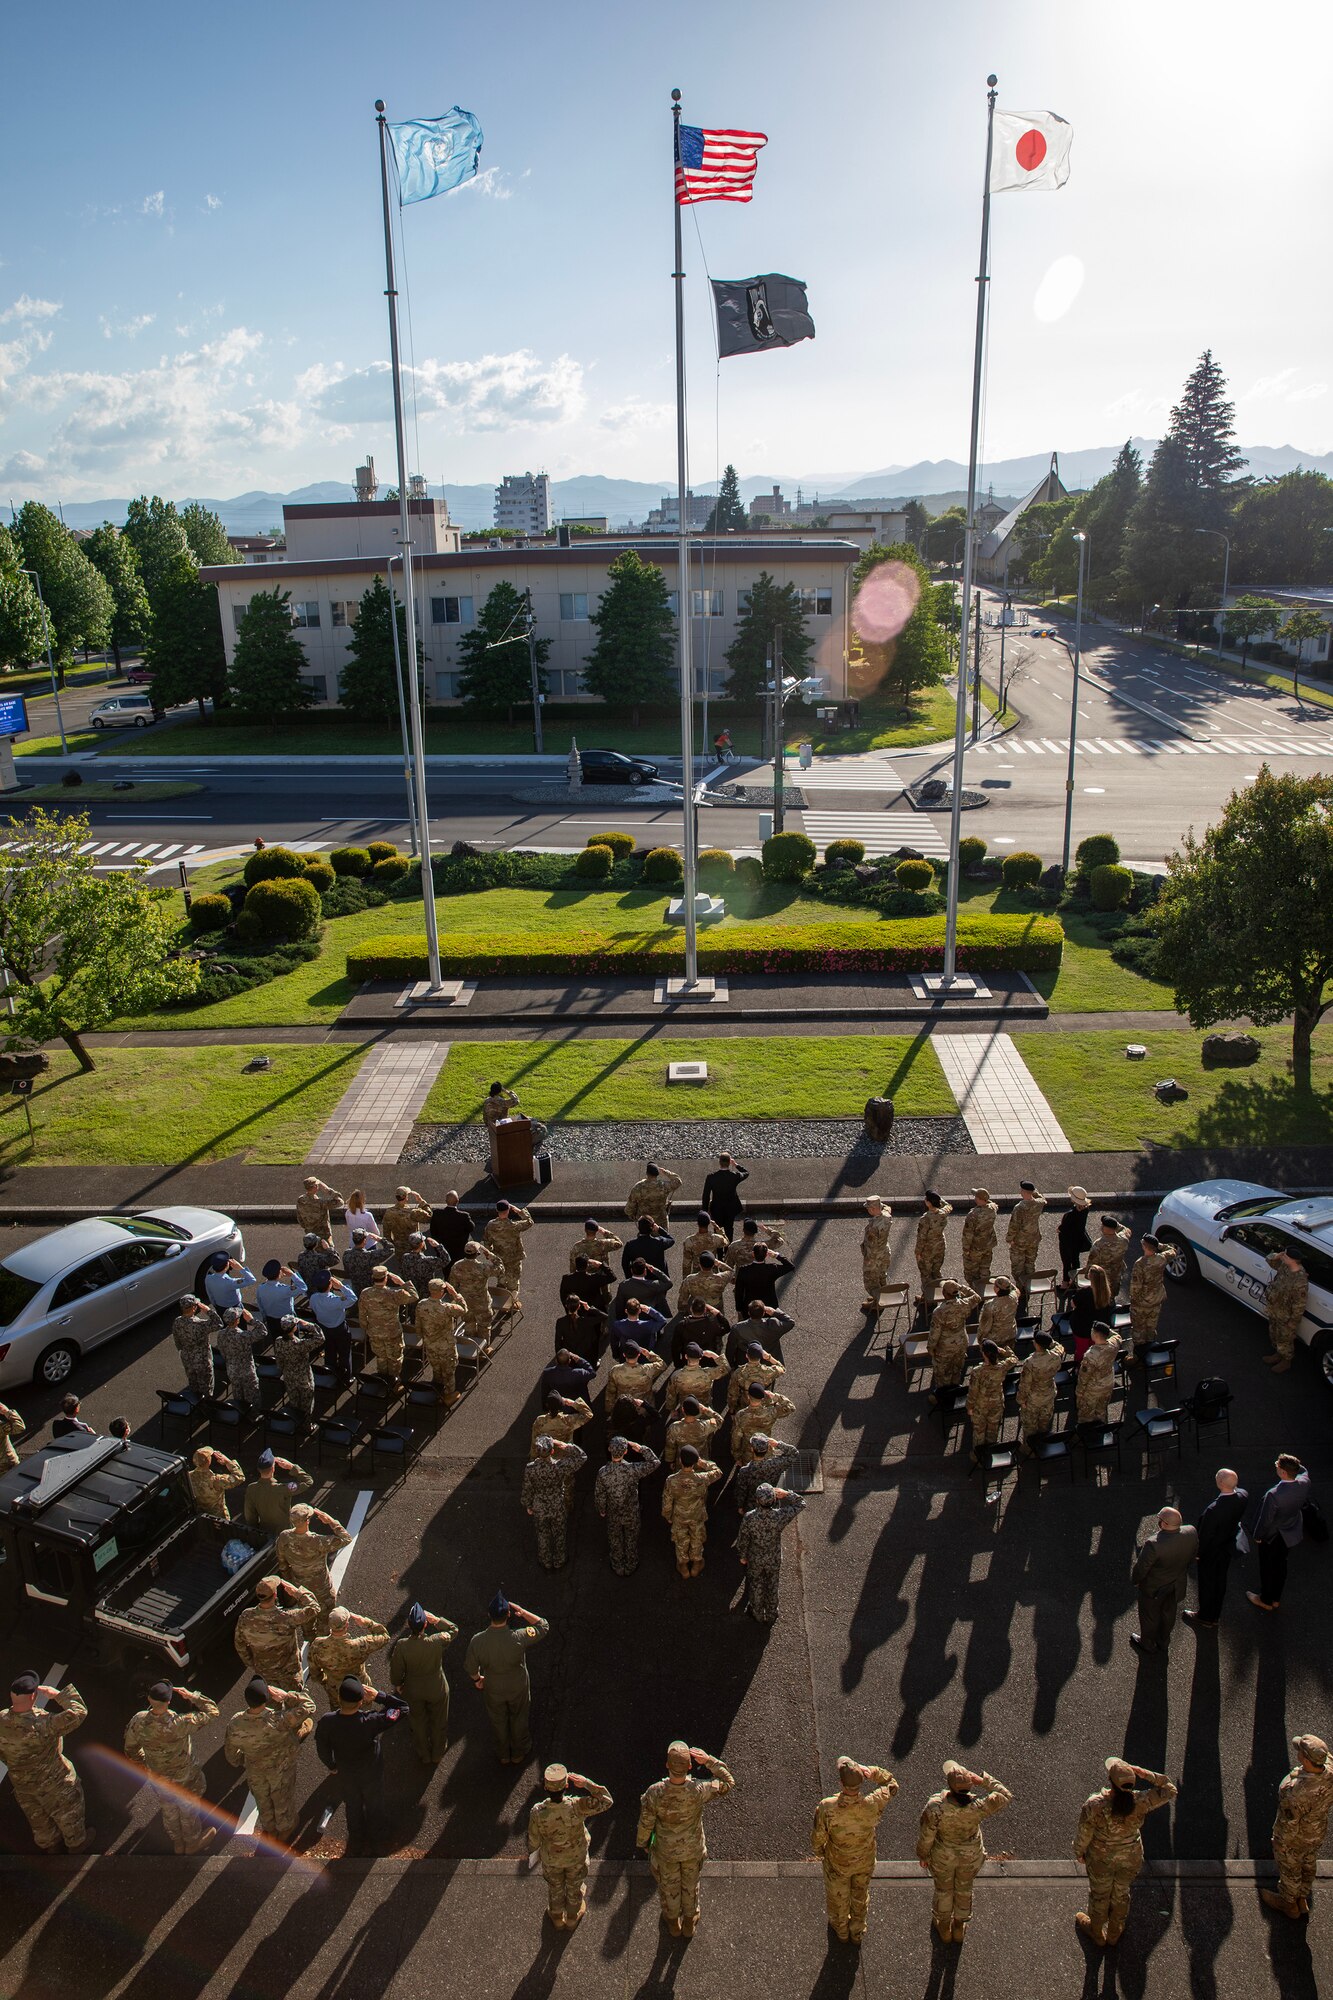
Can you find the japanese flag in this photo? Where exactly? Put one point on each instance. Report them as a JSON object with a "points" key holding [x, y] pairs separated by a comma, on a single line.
{"points": [[1031, 151]]}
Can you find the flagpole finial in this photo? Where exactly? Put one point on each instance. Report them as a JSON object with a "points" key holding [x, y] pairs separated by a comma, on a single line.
{"points": [[675, 97], [991, 81], [379, 105]]}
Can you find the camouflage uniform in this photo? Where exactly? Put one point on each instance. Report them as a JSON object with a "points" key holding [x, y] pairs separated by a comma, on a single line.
{"points": [[1023, 1238], [951, 1846], [652, 1196], [697, 1431], [269, 1502], [294, 1353], [985, 1399], [45, 1783], [437, 1323], [843, 1836], [335, 1655], [598, 1247], [164, 1740], [758, 1471], [547, 1493], [696, 1378], [268, 1638], [237, 1343], [11, 1426], [694, 1246], [318, 1257], [1303, 1802], [1147, 1289], [759, 1547], [758, 1417], [209, 1486], [416, 1669], [358, 1265], [401, 1220], [875, 1253], [741, 1252], [671, 1827], [1096, 1379], [998, 1319], [633, 1378], [1110, 1846], [558, 1833], [738, 1388], [616, 1494], [946, 1342], [194, 1334], [266, 1742], [303, 1557], [503, 1237], [1285, 1305], [685, 1511], [473, 1277], [979, 1227], [379, 1310], [1036, 1389], [315, 1211], [929, 1248], [562, 1424], [710, 1286], [419, 1267], [1110, 1252]]}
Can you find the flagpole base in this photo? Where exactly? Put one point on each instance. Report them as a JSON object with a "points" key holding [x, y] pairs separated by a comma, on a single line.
{"points": [[449, 993], [947, 985], [704, 992]]}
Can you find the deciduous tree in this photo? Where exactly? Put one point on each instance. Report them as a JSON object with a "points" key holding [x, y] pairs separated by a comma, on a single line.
{"points": [[76, 597], [634, 659], [112, 554], [264, 679], [1251, 618], [185, 651], [23, 629], [154, 531], [1303, 628], [206, 535], [918, 657]]}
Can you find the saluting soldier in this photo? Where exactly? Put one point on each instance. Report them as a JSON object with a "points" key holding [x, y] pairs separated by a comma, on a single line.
{"points": [[1036, 1388], [708, 1282], [295, 1346], [759, 1547], [162, 1738], [416, 1669], [1110, 1251], [1109, 1843], [45, 1783], [699, 1373], [768, 1457], [503, 1236], [268, 1499], [652, 1195], [998, 1318], [762, 1409], [344, 1649], [1023, 1237], [268, 1635], [595, 1242], [194, 1330], [420, 1261], [753, 1234], [562, 1417], [264, 1739], [473, 1275], [315, 1205], [671, 1827], [12, 1427], [1284, 1302], [685, 1508], [707, 1236], [758, 1366], [379, 1311], [367, 1250], [616, 1493], [495, 1660], [930, 1244], [558, 1835], [843, 1837], [547, 1494], [212, 1476], [950, 1846], [979, 1230], [693, 1423], [1147, 1291], [409, 1214], [634, 1376], [1096, 1374], [304, 1557], [1304, 1799], [946, 1340], [985, 1395], [439, 1316], [875, 1248], [240, 1336]]}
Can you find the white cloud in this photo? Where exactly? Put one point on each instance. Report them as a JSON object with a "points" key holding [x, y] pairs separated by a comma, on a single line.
{"points": [[1309, 394], [490, 181], [1135, 405], [153, 204], [495, 392], [212, 201], [26, 310], [129, 328], [635, 414], [1281, 388]]}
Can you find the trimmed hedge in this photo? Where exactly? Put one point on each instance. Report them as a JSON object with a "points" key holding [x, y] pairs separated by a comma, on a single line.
{"points": [[620, 844], [971, 851], [788, 857], [915, 875], [663, 864], [281, 909], [390, 868], [319, 873], [351, 861], [1020, 870], [268, 864], [381, 850], [210, 913], [1098, 851], [844, 850], [750, 873], [1111, 886], [986, 943], [595, 863], [716, 867]]}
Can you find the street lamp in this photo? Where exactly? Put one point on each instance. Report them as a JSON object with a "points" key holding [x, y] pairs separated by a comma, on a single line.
{"points": [[60, 720], [1226, 567], [1082, 539], [530, 633], [782, 687]]}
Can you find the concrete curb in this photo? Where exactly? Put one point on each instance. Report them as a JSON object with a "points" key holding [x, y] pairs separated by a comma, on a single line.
{"points": [[515, 1867]]}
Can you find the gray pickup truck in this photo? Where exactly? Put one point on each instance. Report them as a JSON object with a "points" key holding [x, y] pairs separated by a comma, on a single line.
{"points": [[102, 1534]]}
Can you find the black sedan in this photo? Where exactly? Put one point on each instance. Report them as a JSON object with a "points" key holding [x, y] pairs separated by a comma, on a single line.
{"points": [[610, 767]]}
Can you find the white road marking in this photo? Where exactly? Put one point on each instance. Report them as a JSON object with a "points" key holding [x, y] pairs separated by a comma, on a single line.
{"points": [[52, 1678], [170, 849], [881, 831]]}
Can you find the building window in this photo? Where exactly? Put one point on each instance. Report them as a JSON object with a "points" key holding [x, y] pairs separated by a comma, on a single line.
{"points": [[705, 604], [817, 603], [344, 612], [451, 611], [742, 602], [565, 683], [673, 602], [306, 615], [238, 612], [573, 604], [446, 687], [319, 682]]}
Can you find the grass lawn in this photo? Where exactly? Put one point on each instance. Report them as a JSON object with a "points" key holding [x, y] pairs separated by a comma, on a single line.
{"points": [[1106, 1103], [177, 1106], [49, 746], [768, 1076], [1089, 980], [93, 791]]}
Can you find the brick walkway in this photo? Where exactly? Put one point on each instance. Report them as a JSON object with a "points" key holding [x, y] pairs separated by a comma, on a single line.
{"points": [[998, 1096], [375, 1115]]}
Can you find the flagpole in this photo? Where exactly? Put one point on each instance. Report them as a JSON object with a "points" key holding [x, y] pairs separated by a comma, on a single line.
{"points": [[969, 549], [683, 621], [409, 590]]}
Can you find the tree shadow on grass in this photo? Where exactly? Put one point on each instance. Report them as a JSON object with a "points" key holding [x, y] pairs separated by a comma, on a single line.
{"points": [[1261, 1112]]}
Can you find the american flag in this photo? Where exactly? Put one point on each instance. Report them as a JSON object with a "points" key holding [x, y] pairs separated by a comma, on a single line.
{"points": [[716, 166]]}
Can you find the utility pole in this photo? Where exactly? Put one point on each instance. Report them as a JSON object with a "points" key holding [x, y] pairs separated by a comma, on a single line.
{"points": [[537, 743], [779, 768], [976, 667]]}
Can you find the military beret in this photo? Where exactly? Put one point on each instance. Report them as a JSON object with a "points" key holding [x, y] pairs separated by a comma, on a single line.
{"points": [[590, 1222], [161, 1691], [266, 1458], [543, 1444], [24, 1683], [689, 1454], [1313, 1747], [499, 1604], [765, 1494], [954, 1770], [630, 1349], [757, 1391], [707, 1259], [1122, 1775], [555, 1777], [690, 1405], [1028, 1187], [619, 1444], [755, 1349], [351, 1689], [256, 1691], [272, 1268], [502, 1208], [693, 1349], [416, 1617]]}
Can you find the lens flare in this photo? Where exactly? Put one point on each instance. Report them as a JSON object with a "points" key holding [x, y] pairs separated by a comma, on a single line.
{"points": [[1059, 288], [228, 1826], [885, 602]]}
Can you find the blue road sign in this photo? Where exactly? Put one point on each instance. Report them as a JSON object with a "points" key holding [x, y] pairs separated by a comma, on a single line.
{"points": [[13, 715]]}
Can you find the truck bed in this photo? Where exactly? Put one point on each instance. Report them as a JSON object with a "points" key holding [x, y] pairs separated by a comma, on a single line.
{"points": [[183, 1587]]}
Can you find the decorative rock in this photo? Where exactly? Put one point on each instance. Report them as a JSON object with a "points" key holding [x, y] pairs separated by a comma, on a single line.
{"points": [[879, 1115], [255, 1063], [21, 1063], [1235, 1050], [463, 850]]}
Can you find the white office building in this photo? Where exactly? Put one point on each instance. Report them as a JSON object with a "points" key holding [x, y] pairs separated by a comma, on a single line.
{"points": [[523, 503]]}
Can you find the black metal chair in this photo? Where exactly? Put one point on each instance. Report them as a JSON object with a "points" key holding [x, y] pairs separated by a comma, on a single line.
{"points": [[1097, 1441], [375, 1393], [339, 1434], [1160, 1366], [184, 1405], [1209, 1412], [996, 1461], [950, 1406], [282, 1423], [224, 1415], [1046, 1453], [1160, 1429], [391, 1441], [424, 1396]]}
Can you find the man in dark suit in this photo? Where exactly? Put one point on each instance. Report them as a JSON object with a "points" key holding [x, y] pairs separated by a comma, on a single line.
{"points": [[759, 1278], [721, 1195], [1280, 1527], [451, 1225], [1161, 1570], [1217, 1544]]}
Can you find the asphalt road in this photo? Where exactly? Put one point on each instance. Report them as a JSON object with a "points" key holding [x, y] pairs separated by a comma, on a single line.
{"points": [[918, 1621]]}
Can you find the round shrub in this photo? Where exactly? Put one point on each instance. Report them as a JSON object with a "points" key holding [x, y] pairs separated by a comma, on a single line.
{"points": [[620, 844], [663, 864], [1020, 870], [210, 913], [971, 852], [320, 873], [1099, 850], [716, 867], [72, 780], [845, 850], [749, 873], [389, 868], [1111, 886], [915, 875], [381, 850], [350, 861], [788, 857], [270, 864], [595, 863], [285, 907]]}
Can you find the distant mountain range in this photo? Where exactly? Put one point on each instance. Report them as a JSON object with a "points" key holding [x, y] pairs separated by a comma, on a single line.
{"points": [[942, 481]]}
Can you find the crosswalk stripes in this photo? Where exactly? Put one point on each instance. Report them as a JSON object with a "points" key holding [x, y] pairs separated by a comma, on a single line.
{"points": [[846, 774], [1176, 746], [881, 831]]}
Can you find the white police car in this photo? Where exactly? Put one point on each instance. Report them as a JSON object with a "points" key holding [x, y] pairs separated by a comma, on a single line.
{"points": [[1226, 1230]]}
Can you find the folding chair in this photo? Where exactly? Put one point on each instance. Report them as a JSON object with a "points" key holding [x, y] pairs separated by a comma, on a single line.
{"points": [[269, 1375], [1209, 1413], [1065, 1385], [472, 1353], [424, 1396], [997, 1461], [1098, 1441], [1040, 1290], [391, 1441], [224, 1415], [1160, 1429], [950, 1406], [182, 1404], [914, 1353], [376, 1393], [1159, 1362], [1048, 1452], [340, 1434], [893, 1299], [280, 1422]]}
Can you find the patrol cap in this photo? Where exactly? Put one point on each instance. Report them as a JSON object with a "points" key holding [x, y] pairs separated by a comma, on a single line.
{"points": [[693, 1349], [25, 1683], [231, 1315], [435, 1285], [267, 1586], [1122, 1775], [953, 1771], [760, 1442], [358, 1236], [499, 1604], [256, 1691], [416, 1617], [765, 1494], [203, 1456], [266, 1459], [619, 1444], [301, 1511], [983, 1192], [543, 1444], [187, 1299], [161, 1691], [555, 1777], [379, 1270], [311, 1238], [351, 1689], [415, 1237], [287, 1322], [849, 1770], [678, 1754], [755, 1349], [1313, 1747]]}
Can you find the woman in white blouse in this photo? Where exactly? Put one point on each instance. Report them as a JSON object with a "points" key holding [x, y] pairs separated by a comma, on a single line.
{"points": [[358, 1215]]}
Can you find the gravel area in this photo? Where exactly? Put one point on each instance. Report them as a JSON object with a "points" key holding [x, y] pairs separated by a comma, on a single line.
{"points": [[703, 1139], [760, 795], [971, 800]]}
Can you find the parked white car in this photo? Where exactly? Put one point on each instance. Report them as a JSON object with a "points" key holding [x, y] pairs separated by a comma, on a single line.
{"points": [[1225, 1231], [67, 1292], [123, 711]]}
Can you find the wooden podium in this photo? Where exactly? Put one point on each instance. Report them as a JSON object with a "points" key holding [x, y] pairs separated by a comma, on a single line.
{"points": [[512, 1163]]}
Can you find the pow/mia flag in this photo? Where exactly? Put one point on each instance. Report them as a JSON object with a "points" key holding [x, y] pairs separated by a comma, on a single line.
{"points": [[755, 313]]}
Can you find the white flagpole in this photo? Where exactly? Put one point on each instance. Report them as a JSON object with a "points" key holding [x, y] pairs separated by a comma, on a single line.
{"points": [[969, 551], [409, 591], [683, 622]]}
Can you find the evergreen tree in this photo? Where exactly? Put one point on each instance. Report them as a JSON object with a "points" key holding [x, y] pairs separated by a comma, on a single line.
{"points": [[265, 675], [76, 597], [772, 606], [1203, 423], [22, 627], [634, 659], [153, 530], [729, 511], [185, 651], [496, 669], [368, 682], [112, 554], [207, 537], [918, 657], [918, 520], [1190, 485]]}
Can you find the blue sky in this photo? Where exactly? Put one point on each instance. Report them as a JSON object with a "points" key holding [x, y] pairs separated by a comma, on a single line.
{"points": [[191, 285]]}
